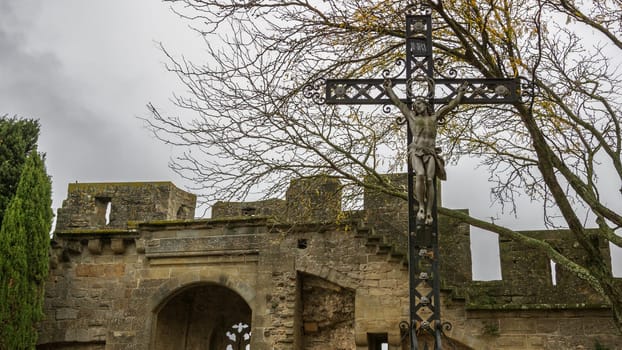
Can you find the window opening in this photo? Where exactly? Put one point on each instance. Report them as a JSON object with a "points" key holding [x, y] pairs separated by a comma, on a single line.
{"points": [[107, 214], [103, 209], [302, 243], [553, 272], [249, 211], [485, 255], [378, 341]]}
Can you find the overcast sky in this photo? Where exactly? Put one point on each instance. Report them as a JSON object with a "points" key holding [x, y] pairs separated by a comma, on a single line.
{"points": [[86, 70]]}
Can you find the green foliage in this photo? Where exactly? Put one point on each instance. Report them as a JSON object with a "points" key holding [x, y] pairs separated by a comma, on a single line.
{"points": [[18, 137], [24, 246]]}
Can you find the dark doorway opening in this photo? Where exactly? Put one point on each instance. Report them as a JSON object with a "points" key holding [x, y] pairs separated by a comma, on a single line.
{"points": [[206, 317]]}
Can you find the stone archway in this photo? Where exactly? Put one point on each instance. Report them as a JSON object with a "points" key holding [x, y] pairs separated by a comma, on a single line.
{"points": [[203, 316]]}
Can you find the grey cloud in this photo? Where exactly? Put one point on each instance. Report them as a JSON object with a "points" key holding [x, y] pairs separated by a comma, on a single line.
{"points": [[82, 143]]}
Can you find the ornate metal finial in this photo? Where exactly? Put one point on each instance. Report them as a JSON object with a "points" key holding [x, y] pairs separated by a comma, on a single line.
{"points": [[418, 7]]}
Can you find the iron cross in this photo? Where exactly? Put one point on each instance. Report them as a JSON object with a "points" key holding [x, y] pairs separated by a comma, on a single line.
{"points": [[406, 90]]}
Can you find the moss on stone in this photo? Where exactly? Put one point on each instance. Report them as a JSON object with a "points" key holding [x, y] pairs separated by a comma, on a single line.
{"points": [[197, 223], [514, 307], [97, 231], [81, 186]]}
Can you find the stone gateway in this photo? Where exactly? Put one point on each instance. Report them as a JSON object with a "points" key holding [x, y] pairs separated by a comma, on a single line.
{"points": [[132, 269]]}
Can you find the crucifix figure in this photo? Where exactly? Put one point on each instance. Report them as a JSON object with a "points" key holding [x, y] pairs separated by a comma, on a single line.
{"points": [[423, 155]]}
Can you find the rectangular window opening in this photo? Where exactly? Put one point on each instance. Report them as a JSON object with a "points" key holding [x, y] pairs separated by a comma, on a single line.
{"points": [[485, 255], [378, 341], [103, 208]]}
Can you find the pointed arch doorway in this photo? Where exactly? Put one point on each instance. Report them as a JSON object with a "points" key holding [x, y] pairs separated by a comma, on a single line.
{"points": [[204, 316]]}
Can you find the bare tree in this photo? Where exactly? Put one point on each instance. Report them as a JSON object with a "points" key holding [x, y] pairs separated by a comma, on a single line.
{"points": [[250, 127]]}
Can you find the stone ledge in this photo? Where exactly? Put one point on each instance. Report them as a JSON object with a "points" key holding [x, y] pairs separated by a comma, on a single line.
{"points": [[204, 260], [201, 223], [203, 245], [531, 307], [204, 253], [98, 232], [72, 187]]}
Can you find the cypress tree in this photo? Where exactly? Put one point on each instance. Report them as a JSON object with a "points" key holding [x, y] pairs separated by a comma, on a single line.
{"points": [[24, 246], [18, 137]]}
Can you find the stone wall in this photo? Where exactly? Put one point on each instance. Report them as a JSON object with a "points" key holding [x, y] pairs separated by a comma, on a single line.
{"points": [[271, 207], [327, 314], [309, 284]]}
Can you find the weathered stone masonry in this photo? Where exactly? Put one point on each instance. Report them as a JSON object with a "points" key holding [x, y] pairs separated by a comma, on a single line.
{"points": [[131, 269]]}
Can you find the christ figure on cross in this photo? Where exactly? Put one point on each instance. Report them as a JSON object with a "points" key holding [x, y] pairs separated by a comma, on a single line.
{"points": [[423, 154]]}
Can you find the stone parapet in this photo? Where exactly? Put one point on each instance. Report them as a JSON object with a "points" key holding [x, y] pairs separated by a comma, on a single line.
{"points": [[112, 205], [270, 207]]}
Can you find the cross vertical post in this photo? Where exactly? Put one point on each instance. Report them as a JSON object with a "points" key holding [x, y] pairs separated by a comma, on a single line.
{"points": [[420, 66], [418, 83]]}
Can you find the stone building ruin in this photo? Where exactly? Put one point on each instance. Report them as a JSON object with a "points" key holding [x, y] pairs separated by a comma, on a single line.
{"points": [[132, 269]]}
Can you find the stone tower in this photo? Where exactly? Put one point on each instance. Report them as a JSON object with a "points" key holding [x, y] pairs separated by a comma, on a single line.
{"points": [[113, 205]]}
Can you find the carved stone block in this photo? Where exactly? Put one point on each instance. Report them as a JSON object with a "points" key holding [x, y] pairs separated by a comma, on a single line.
{"points": [[95, 246], [117, 245]]}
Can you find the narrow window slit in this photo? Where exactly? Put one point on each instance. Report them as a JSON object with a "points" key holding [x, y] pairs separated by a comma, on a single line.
{"points": [[108, 210], [553, 273]]}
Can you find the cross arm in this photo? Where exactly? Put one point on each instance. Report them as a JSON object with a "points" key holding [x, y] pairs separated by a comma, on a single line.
{"points": [[372, 91]]}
